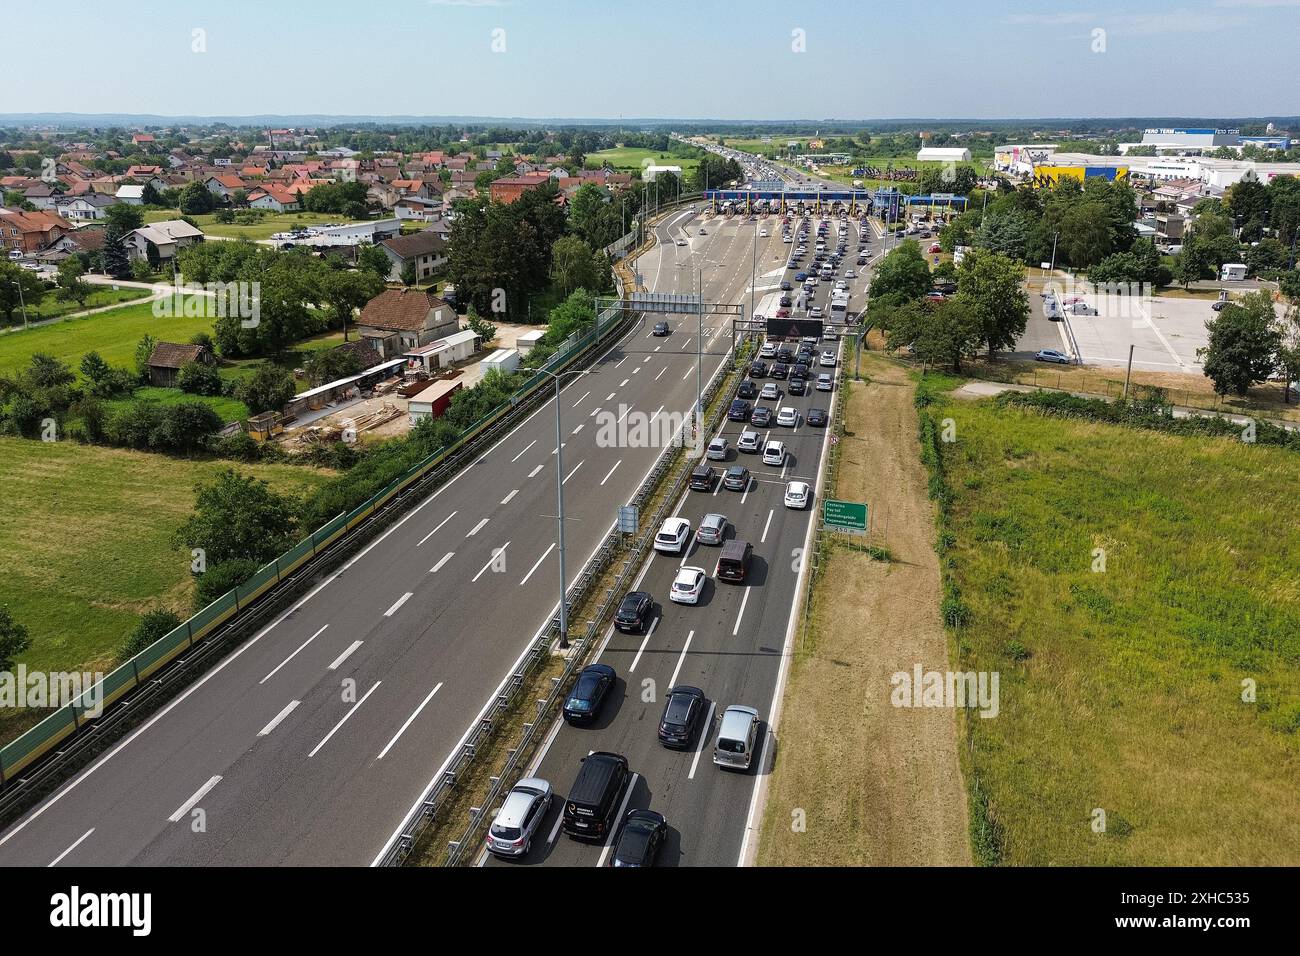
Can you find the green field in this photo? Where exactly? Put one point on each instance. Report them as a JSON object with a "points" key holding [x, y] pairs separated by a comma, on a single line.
{"points": [[633, 159], [230, 409], [1122, 682], [51, 308], [85, 542], [270, 224], [113, 334]]}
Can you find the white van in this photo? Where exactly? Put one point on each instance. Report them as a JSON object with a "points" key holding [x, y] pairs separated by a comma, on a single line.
{"points": [[737, 738], [1232, 272]]}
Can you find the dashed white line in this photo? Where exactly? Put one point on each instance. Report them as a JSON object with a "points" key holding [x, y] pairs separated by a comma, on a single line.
{"points": [[275, 721], [397, 604], [767, 524], [521, 454], [624, 382], [743, 601], [704, 739], [611, 471], [336, 727], [479, 527], [292, 656], [441, 523], [574, 405], [59, 859], [497, 554], [575, 471], [414, 714], [506, 499], [441, 561], [188, 805], [644, 642], [338, 661], [620, 362], [537, 565], [604, 854], [533, 473], [579, 428], [661, 372], [610, 396], [681, 658]]}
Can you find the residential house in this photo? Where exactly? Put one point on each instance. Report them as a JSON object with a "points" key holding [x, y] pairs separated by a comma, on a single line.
{"points": [[509, 188], [167, 238], [425, 251], [168, 358], [43, 195], [277, 198], [30, 232], [400, 319], [417, 209], [225, 185], [88, 207], [131, 195]]}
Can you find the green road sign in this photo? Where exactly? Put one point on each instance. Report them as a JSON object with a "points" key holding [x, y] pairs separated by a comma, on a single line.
{"points": [[848, 516]]}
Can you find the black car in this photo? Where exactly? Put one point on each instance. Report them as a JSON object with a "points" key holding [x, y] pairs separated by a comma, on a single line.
{"points": [[640, 839], [783, 354], [739, 411], [780, 370], [816, 417], [661, 328], [584, 701], [761, 417], [797, 386], [785, 285], [702, 478], [736, 478], [785, 302], [800, 370], [747, 389], [682, 713], [758, 370], [634, 613]]}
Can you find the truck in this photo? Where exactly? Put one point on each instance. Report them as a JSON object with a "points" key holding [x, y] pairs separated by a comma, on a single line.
{"points": [[1232, 272]]}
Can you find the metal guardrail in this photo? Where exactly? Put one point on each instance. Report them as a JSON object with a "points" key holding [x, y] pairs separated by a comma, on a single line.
{"points": [[92, 716], [538, 650]]}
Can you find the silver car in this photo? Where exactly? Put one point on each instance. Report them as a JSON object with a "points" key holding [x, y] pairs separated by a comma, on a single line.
{"points": [[511, 833], [712, 529]]}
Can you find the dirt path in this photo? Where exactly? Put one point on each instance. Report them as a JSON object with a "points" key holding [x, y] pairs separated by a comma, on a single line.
{"points": [[880, 785]]}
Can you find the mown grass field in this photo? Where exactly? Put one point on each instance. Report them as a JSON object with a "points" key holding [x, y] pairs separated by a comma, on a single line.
{"points": [[85, 542], [1122, 689], [113, 334], [230, 409], [264, 228], [633, 159], [51, 307]]}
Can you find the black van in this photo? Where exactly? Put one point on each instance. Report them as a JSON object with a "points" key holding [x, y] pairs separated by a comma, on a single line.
{"points": [[733, 562], [595, 795]]}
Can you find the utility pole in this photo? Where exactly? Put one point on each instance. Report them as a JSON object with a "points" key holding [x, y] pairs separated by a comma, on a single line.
{"points": [[1128, 372], [699, 356], [1056, 235]]}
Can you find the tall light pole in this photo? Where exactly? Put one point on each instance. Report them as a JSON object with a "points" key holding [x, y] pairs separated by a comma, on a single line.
{"points": [[1055, 236], [21, 302], [559, 504]]}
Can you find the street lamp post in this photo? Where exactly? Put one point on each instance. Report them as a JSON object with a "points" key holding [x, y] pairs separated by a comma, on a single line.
{"points": [[21, 301], [559, 505]]}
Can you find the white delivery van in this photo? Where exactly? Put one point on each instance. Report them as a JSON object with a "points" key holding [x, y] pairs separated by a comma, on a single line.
{"points": [[1232, 272]]}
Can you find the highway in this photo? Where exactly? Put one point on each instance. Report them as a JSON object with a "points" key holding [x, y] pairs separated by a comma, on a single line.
{"points": [[730, 645], [310, 743]]}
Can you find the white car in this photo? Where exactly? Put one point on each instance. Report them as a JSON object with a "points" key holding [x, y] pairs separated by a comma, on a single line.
{"points": [[673, 535], [688, 586], [717, 450], [768, 350], [770, 391], [748, 442], [774, 453], [762, 233], [827, 360], [787, 417], [850, 274], [786, 239], [797, 494], [681, 242]]}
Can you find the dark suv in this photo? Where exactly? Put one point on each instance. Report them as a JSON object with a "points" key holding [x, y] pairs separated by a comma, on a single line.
{"points": [[739, 411], [747, 389], [634, 613]]}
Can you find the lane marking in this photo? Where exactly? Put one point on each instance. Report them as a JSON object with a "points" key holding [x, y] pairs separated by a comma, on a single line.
{"points": [[681, 658], [479, 527], [661, 372], [622, 810], [689, 373], [414, 714], [656, 414], [441, 561], [338, 661], [620, 362], [59, 859], [533, 473], [743, 601], [610, 396], [644, 641], [612, 470], [624, 382], [398, 603], [506, 499], [373, 688], [275, 721], [496, 553], [188, 805], [293, 655], [521, 454], [574, 405], [575, 471], [706, 732], [579, 428], [594, 412], [767, 524], [537, 565], [440, 524]]}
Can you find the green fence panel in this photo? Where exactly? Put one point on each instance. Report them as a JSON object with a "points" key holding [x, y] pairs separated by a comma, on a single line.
{"points": [[291, 558], [215, 612], [161, 651], [35, 741], [254, 586], [114, 684]]}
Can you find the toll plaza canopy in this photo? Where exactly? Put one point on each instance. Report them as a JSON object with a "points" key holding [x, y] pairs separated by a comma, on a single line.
{"points": [[789, 196]]}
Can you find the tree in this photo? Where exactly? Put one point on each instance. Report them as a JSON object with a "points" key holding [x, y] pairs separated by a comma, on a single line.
{"points": [[124, 216], [346, 292], [71, 287], [1085, 235], [14, 639], [117, 263], [330, 365], [155, 624], [1192, 263], [1288, 351], [143, 352], [408, 274], [196, 199], [19, 287], [572, 265], [989, 285], [480, 326], [198, 378], [939, 333], [269, 389], [374, 260], [238, 517], [902, 274], [1004, 233], [151, 196], [1243, 346]]}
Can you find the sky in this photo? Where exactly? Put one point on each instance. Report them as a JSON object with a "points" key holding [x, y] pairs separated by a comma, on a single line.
{"points": [[687, 59]]}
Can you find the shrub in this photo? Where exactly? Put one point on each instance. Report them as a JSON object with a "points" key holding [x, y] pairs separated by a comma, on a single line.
{"points": [[223, 577], [154, 625]]}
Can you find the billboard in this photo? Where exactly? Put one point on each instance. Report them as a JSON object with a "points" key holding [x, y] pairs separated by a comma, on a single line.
{"points": [[1046, 176], [794, 328]]}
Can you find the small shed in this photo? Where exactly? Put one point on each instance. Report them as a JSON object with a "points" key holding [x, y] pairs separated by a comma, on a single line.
{"points": [[168, 358], [506, 360], [525, 342], [432, 402]]}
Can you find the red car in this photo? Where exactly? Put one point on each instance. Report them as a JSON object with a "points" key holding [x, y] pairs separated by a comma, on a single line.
{"points": [[783, 313], [935, 247]]}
